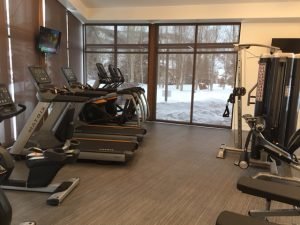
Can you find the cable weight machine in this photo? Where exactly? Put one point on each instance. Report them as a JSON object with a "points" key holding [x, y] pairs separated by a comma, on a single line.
{"points": [[277, 102], [275, 118], [238, 92]]}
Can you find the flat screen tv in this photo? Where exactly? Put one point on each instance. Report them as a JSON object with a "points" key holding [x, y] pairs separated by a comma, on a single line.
{"points": [[48, 40], [287, 44]]}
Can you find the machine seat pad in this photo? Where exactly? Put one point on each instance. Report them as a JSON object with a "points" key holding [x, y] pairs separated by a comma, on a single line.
{"points": [[230, 218], [44, 139], [270, 190]]}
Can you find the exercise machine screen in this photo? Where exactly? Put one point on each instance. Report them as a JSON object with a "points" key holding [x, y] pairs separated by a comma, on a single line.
{"points": [[70, 76], [40, 75], [5, 98]]}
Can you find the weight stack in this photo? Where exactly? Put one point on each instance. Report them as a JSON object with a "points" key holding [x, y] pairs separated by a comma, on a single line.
{"points": [[294, 100], [273, 96]]}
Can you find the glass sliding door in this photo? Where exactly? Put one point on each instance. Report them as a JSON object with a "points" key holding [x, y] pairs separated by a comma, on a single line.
{"points": [[175, 73], [196, 73], [214, 82], [215, 73], [173, 97]]}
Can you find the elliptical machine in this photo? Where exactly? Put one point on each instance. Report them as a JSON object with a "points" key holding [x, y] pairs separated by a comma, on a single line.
{"points": [[43, 165], [92, 111]]}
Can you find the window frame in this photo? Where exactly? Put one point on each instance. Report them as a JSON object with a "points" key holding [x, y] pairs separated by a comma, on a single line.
{"points": [[153, 32], [115, 47]]}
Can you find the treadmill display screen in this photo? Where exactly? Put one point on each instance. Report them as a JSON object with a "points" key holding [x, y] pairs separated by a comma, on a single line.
{"points": [[5, 98], [40, 75], [70, 76]]}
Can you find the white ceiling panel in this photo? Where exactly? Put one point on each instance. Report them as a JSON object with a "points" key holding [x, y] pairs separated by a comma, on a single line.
{"points": [[141, 3]]}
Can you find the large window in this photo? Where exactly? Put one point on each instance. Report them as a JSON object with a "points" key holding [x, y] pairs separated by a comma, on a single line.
{"points": [[196, 69], [192, 69], [124, 46]]}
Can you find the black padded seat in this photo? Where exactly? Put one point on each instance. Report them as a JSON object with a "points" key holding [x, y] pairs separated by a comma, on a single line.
{"points": [[230, 218], [270, 190], [44, 139]]}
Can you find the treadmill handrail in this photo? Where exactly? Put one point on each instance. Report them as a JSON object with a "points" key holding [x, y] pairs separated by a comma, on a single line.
{"points": [[49, 96]]}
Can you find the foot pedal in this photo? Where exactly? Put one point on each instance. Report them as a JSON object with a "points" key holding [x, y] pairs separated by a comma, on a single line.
{"points": [[221, 152], [62, 191]]}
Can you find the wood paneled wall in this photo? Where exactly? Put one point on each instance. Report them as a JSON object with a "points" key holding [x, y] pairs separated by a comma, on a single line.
{"points": [[56, 19], [75, 29], [5, 127], [25, 20], [24, 27]]}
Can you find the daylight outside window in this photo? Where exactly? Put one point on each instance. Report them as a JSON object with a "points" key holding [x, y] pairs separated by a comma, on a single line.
{"points": [[124, 46], [196, 73]]}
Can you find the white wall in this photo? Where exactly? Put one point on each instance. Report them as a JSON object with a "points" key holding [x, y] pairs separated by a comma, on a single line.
{"points": [[262, 33]]}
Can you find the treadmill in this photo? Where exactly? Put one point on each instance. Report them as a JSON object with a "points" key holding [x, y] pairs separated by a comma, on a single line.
{"points": [[109, 128], [92, 147], [43, 128]]}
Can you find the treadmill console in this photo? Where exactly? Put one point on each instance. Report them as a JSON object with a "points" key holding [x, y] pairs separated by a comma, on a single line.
{"points": [[5, 98], [7, 105], [40, 75], [69, 75]]}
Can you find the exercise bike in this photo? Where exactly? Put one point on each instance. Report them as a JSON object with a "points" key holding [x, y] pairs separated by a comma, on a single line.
{"points": [[43, 164]]}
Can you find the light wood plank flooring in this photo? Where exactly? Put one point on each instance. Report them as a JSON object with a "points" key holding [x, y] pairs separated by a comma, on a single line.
{"points": [[174, 179]]}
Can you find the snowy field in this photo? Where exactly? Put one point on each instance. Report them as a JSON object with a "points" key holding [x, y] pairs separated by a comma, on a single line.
{"points": [[208, 105]]}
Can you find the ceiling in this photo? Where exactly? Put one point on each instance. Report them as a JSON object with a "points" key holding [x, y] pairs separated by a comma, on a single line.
{"points": [[162, 11], [141, 3]]}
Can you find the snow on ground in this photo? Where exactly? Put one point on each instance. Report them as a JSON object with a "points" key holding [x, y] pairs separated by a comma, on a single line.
{"points": [[208, 105]]}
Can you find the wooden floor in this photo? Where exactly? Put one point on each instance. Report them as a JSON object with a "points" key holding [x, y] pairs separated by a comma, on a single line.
{"points": [[174, 179]]}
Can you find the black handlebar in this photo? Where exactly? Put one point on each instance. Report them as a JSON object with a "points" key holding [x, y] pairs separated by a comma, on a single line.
{"points": [[23, 108], [13, 113]]}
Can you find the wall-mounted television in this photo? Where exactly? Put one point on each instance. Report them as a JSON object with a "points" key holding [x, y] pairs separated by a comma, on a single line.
{"points": [[48, 40]]}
